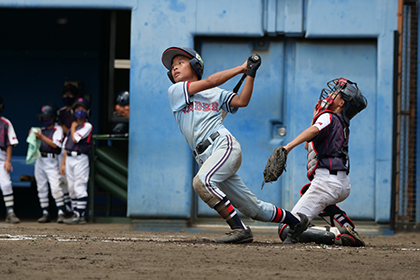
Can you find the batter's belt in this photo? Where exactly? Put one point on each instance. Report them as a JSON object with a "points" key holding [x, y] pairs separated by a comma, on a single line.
{"points": [[201, 147]]}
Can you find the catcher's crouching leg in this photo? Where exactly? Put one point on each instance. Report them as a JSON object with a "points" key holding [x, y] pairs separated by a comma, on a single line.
{"points": [[327, 235], [319, 235]]}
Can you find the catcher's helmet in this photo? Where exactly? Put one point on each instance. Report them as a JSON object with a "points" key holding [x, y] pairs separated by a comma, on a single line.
{"points": [[123, 98], [1, 105], [355, 101], [196, 61], [81, 102], [48, 111]]}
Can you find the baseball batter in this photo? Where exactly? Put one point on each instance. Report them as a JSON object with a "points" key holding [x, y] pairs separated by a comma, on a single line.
{"points": [[75, 164], [8, 139], [47, 167], [197, 107]]}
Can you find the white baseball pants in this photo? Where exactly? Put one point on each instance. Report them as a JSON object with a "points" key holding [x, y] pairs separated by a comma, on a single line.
{"points": [[77, 174], [326, 189]]}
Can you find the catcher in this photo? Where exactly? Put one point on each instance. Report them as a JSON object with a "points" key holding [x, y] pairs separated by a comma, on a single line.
{"points": [[328, 162]]}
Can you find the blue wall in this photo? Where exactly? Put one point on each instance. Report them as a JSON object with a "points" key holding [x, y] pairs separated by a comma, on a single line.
{"points": [[313, 36], [38, 55]]}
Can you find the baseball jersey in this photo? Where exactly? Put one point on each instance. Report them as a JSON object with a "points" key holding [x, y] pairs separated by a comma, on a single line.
{"points": [[7, 134], [66, 117], [330, 140], [56, 135], [83, 136], [199, 115]]}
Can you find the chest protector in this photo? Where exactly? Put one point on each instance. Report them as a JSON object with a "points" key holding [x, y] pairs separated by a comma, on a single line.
{"points": [[314, 156]]}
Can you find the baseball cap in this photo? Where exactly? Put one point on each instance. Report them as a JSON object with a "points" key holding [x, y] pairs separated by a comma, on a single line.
{"points": [[71, 88]]}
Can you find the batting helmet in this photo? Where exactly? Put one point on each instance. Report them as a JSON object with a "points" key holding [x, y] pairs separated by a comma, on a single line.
{"points": [[196, 61], [1, 105], [349, 92], [48, 111], [81, 102], [123, 98]]}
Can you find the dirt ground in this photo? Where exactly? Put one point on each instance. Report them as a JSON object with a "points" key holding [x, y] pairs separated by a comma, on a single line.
{"points": [[114, 251]]}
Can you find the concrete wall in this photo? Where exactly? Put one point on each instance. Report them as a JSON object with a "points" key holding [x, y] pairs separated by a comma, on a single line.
{"points": [[313, 36]]}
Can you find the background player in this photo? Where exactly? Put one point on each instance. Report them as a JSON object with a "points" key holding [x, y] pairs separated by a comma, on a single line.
{"points": [[122, 108], [47, 167], [123, 104], [69, 95], [75, 162], [328, 159], [197, 107], [8, 139]]}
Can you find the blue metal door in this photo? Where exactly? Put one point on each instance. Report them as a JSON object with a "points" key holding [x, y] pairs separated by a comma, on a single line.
{"points": [[287, 87], [308, 63]]}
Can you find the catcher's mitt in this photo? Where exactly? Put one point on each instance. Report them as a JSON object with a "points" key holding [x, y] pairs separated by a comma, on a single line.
{"points": [[276, 164]]}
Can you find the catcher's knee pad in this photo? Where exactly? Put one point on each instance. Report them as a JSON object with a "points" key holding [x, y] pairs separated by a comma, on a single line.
{"points": [[203, 193], [320, 235]]}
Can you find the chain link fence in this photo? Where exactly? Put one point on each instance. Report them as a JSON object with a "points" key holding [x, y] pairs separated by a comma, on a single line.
{"points": [[405, 216]]}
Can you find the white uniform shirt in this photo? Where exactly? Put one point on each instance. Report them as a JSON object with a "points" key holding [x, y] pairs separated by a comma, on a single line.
{"points": [[198, 116]]}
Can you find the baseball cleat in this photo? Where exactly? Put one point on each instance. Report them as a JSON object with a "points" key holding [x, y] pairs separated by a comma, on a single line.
{"points": [[11, 218], [44, 219], [75, 220], [61, 218], [296, 231], [349, 237], [237, 236]]}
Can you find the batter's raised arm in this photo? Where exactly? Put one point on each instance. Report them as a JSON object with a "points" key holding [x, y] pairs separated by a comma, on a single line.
{"points": [[242, 100], [216, 79]]}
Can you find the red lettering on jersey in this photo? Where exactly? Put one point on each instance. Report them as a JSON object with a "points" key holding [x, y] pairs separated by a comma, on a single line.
{"points": [[198, 106], [187, 109], [201, 106], [206, 107]]}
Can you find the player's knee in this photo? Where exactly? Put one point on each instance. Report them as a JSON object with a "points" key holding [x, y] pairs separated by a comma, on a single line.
{"points": [[56, 193], [7, 189], [203, 193], [199, 187]]}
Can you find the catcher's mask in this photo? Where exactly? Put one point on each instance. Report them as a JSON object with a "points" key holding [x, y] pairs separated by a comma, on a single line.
{"points": [[196, 61], [355, 102]]}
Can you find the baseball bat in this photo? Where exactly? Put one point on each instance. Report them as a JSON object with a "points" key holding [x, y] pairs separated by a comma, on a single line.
{"points": [[254, 58]]}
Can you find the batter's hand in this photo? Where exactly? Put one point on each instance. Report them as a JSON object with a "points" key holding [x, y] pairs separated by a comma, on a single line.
{"points": [[253, 63]]}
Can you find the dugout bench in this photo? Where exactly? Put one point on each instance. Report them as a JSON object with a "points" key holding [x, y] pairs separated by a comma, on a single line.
{"points": [[23, 174]]}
